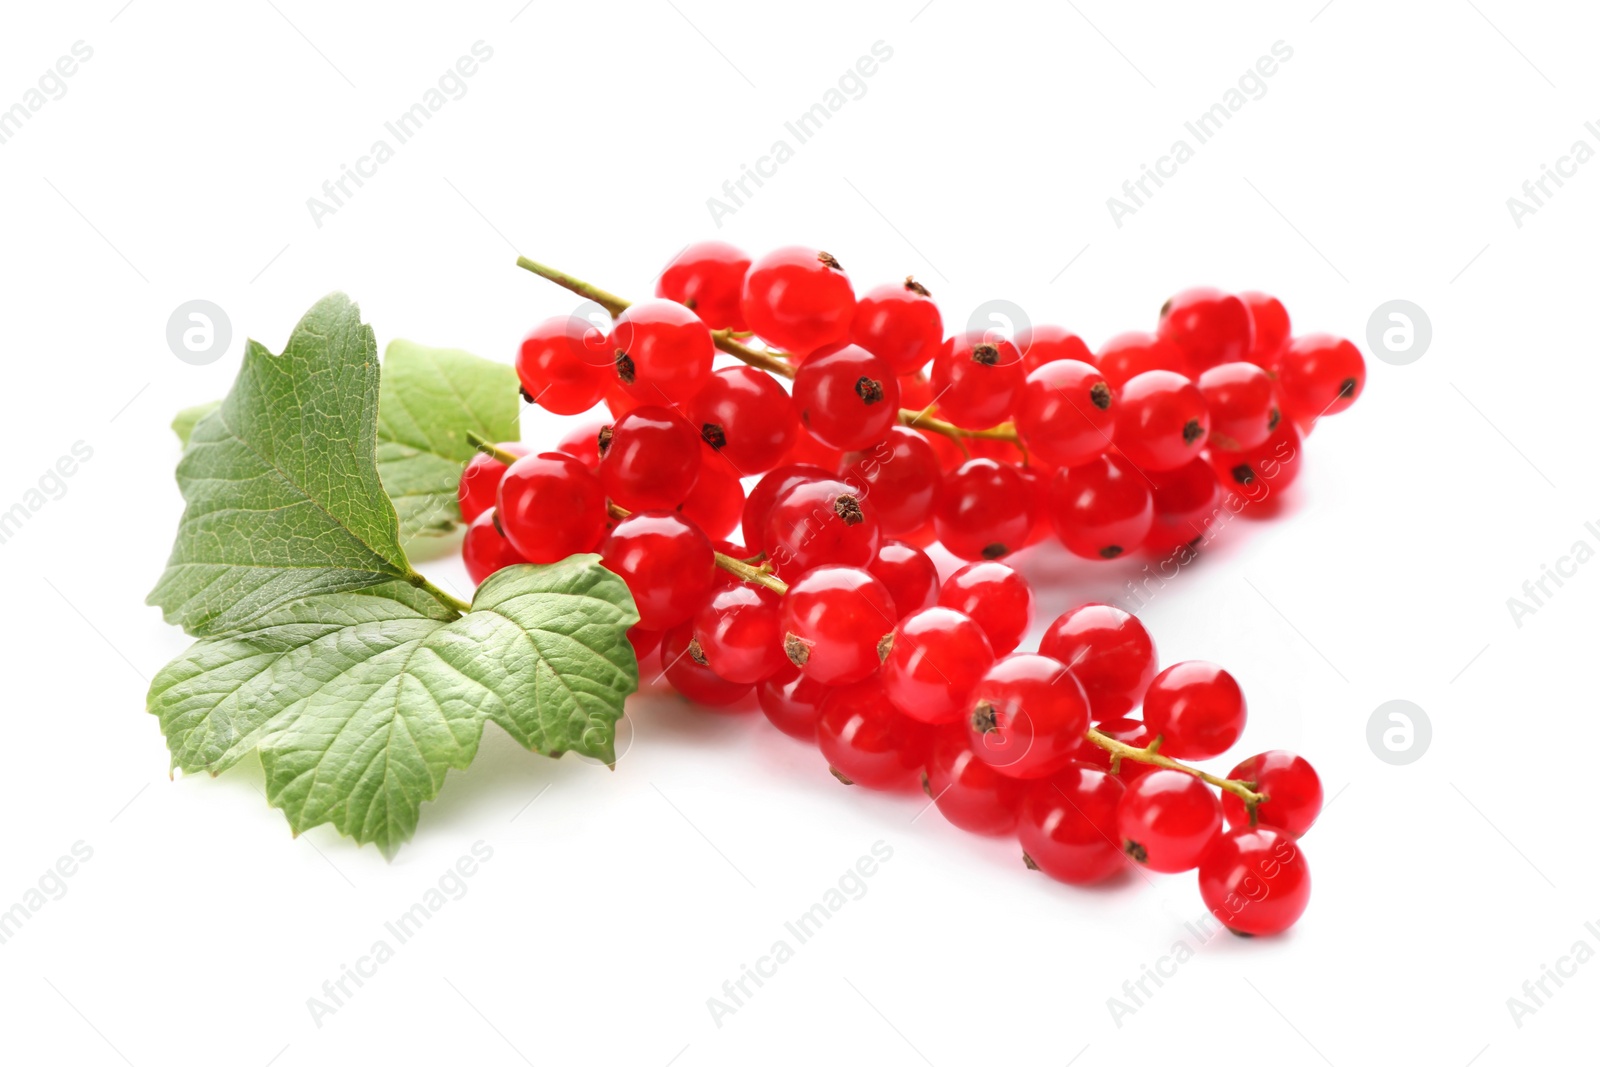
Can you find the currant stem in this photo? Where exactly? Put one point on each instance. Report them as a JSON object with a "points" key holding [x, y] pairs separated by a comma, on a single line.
{"points": [[770, 361], [736, 567], [489, 448], [460, 607], [1121, 751]]}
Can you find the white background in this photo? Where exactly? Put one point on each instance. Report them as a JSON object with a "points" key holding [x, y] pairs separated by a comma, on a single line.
{"points": [[1376, 166]]}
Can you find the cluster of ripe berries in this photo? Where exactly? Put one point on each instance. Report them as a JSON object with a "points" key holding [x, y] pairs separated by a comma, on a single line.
{"points": [[893, 436]]}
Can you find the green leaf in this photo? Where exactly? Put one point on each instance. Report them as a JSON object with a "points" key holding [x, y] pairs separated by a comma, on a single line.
{"points": [[360, 702], [431, 398], [183, 422], [281, 483]]}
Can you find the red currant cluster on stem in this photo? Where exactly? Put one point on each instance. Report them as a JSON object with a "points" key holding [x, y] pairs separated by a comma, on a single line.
{"points": [[889, 437]]}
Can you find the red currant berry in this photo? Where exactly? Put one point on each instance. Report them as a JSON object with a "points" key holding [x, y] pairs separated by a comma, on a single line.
{"points": [[908, 574], [1320, 375], [900, 325], [1270, 467], [480, 480], [1109, 652], [984, 510], [758, 505], [562, 365], [995, 597], [792, 701], [916, 391], [833, 619], [684, 665], [1162, 421], [847, 397], [812, 452], [977, 380], [550, 507], [484, 548], [618, 401], [1037, 479], [716, 501], [708, 279], [745, 415], [1067, 413], [798, 299], [1210, 326], [901, 475], [1028, 715], [1292, 788], [649, 459], [667, 563], [1197, 709], [739, 634], [1255, 882], [1046, 344], [662, 352], [1129, 732], [1167, 821], [1186, 501], [1271, 321], [966, 790], [867, 742], [1242, 403], [818, 522], [1068, 825], [582, 443], [643, 641], [1101, 509], [931, 662], [1128, 355]]}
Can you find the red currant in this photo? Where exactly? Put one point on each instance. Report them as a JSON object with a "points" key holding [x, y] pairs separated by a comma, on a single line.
{"points": [[966, 790], [833, 620], [808, 450], [1271, 321], [1320, 375], [1101, 509], [908, 574], [1270, 467], [984, 510], [562, 365], [792, 701], [818, 522], [1162, 421], [1067, 413], [995, 597], [745, 415], [1037, 480], [1210, 326], [1046, 344], [582, 443], [1167, 820], [480, 480], [739, 634], [798, 299], [1292, 788], [643, 641], [901, 475], [977, 380], [1255, 882], [716, 501], [1197, 708], [1109, 652], [551, 507], [667, 563], [708, 279], [684, 665], [1028, 714], [847, 397], [758, 505], [484, 548], [899, 324], [1128, 355], [1068, 825], [1186, 501], [931, 662], [1242, 403], [662, 352], [649, 459], [866, 741]]}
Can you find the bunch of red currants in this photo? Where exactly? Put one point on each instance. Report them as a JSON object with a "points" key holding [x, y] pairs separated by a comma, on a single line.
{"points": [[893, 436]]}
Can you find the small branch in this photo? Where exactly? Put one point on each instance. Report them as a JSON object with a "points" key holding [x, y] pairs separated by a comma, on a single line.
{"points": [[736, 567], [460, 607], [489, 448], [1122, 751], [610, 301]]}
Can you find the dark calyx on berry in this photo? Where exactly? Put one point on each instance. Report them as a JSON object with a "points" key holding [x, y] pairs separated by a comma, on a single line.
{"points": [[1347, 389], [885, 646], [828, 261], [714, 435], [916, 287], [1193, 431], [1135, 851], [1243, 474], [1027, 861], [526, 395], [986, 354], [839, 775], [603, 440], [984, 719], [1100, 395], [927, 786], [625, 369], [697, 653], [848, 508], [1111, 552], [995, 551], [1273, 418], [869, 390], [797, 650]]}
